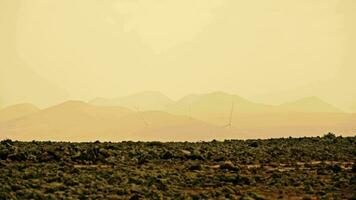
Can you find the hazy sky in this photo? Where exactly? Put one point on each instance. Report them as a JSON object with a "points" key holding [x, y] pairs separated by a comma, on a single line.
{"points": [[109, 48]]}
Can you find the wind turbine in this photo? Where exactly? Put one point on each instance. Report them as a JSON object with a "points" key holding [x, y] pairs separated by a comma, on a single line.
{"points": [[190, 111], [141, 115], [229, 125]]}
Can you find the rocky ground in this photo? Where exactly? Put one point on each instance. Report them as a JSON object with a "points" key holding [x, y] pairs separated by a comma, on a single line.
{"points": [[300, 168]]}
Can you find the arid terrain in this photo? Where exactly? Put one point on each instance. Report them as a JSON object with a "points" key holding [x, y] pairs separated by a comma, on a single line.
{"points": [[289, 168], [186, 99]]}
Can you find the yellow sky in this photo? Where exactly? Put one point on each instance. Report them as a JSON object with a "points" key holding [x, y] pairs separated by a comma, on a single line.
{"points": [[109, 48]]}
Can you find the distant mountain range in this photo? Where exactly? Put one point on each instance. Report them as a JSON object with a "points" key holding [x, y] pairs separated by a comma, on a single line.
{"points": [[338, 92], [217, 107], [143, 101], [209, 116], [309, 104], [75, 121], [17, 111], [214, 102]]}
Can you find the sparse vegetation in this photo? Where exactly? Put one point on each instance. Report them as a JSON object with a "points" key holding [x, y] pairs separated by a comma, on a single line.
{"points": [[232, 169]]}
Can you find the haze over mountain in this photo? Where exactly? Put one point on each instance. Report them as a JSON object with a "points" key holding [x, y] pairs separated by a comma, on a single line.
{"points": [[143, 101], [79, 121], [308, 104], [85, 49], [331, 91], [194, 117], [17, 111], [339, 89], [69, 119], [216, 107], [294, 61]]}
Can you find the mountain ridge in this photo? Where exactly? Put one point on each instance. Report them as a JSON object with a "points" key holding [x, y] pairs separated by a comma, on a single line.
{"points": [[146, 100], [72, 120], [17, 111], [309, 104]]}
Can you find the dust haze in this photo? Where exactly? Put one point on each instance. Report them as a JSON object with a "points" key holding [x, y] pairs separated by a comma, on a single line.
{"points": [[154, 67]]}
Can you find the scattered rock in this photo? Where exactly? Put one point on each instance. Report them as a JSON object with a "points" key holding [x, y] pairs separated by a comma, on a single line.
{"points": [[195, 166], [200, 170], [228, 165], [185, 152]]}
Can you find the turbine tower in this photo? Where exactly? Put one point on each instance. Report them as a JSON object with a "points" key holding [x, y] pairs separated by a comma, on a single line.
{"points": [[190, 111], [143, 118], [229, 125]]}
